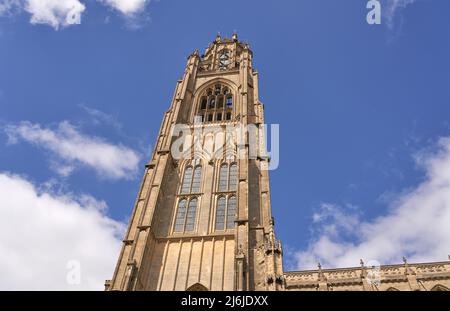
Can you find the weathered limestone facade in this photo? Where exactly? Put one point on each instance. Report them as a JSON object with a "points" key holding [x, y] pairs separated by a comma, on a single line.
{"points": [[203, 221]]}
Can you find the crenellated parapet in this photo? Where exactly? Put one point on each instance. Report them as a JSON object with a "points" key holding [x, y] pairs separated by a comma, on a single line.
{"points": [[406, 277]]}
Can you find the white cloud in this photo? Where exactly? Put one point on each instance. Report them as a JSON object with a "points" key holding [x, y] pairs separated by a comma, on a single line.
{"points": [[63, 13], [127, 7], [43, 232], [5, 6], [99, 117], [416, 225], [72, 148], [391, 8], [56, 13]]}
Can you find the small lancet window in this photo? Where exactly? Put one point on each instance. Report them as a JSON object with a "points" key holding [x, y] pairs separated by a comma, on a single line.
{"points": [[212, 103], [231, 211], [196, 181], [186, 186], [220, 102], [181, 215], [203, 104], [191, 215], [219, 117], [229, 102], [220, 213], [223, 176], [232, 181]]}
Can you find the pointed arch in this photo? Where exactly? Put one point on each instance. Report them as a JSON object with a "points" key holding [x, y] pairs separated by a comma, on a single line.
{"points": [[392, 289], [215, 101], [197, 287]]}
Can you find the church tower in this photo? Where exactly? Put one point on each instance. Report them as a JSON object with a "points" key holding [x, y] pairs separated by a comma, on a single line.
{"points": [[202, 218]]}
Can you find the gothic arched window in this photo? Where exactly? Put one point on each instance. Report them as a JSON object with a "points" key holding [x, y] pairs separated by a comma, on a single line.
{"points": [[203, 103], [228, 177], [216, 104], [192, 180], [220, 213], [186, 215], [227, 198], [186, 186], [191, 213], [232, 180], [223, 176], [181, 215], [196, 180], [231, 211], [225, 212]]}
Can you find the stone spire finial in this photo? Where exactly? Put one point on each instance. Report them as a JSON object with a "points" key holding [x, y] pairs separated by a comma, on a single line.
{"points": [[321, 276], [218, 38], [235, 36], [361, 262], [405, 261]]}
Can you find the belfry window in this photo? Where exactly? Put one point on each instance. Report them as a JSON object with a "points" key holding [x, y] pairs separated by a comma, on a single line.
{"points": [[216, 104], [203, 105], [212, 103], [220, 102], [229, 102]]}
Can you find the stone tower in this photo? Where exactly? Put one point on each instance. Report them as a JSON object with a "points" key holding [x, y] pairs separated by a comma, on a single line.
{"points": [[202, 218]]}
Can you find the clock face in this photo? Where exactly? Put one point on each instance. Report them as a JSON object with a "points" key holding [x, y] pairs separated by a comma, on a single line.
{"points": [[224, 60]]}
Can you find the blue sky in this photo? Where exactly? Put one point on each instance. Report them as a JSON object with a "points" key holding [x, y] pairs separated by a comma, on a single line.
{"points": [[363, 113]]}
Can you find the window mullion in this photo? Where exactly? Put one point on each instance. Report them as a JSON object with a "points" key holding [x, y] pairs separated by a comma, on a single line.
{"points": [[228, 179], [185, 215], [225, 222]]}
